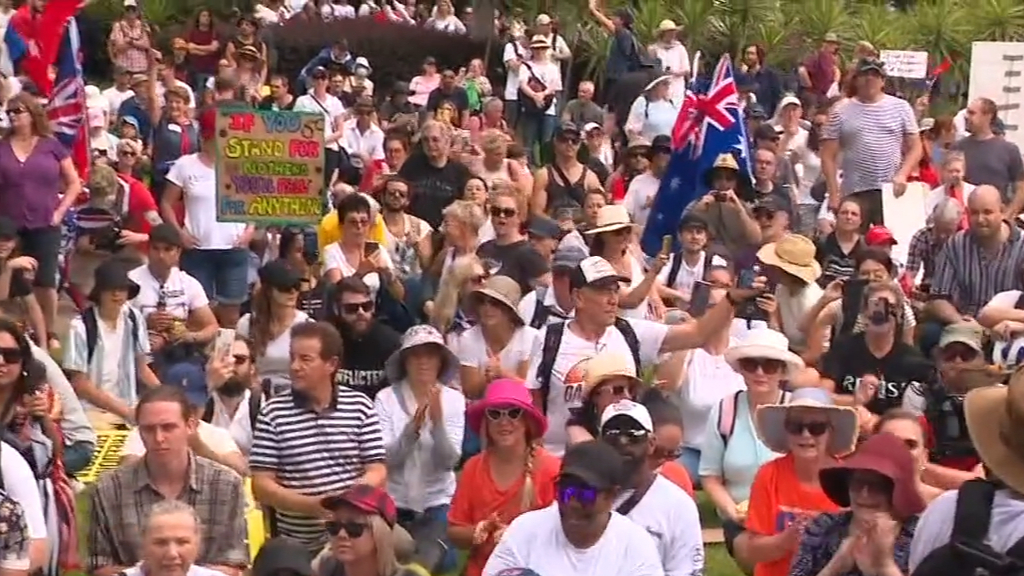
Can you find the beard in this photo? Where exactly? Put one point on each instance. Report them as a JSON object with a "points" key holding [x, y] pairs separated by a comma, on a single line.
{"points": [[233, 387]]}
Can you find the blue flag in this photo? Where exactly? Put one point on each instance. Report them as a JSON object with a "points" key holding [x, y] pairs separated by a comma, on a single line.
{"points": [[709, 124]]}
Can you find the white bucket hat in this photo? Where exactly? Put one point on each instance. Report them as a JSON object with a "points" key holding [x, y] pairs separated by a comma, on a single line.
{"points": [[415, 337], [764, 343], [770, 420]]}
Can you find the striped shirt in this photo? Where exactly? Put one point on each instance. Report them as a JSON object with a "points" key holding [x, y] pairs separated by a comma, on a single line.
{"points": [[871, 139], [968, 277], [835, 263], [315, 453], [922, 252], [121, 379]]}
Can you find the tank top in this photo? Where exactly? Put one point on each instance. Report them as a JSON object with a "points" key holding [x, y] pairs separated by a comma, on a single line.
{"points": [[503, 173], [709, 378], [562, 197]]}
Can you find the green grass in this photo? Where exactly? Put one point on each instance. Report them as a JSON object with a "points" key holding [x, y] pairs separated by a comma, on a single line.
{"points": [[716, 562]]}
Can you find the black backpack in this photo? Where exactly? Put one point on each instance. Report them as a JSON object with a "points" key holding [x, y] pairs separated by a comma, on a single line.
{"points": [[541, 313], [92, 330], [967, 549], [553, 340]]}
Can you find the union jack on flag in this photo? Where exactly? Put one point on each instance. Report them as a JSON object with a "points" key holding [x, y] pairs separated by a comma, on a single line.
{"points": [[66, 107], [709, 124]]}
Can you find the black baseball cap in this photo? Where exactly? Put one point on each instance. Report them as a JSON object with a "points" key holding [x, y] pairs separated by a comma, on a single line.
{"points": [[318, 72], [278, 275], [662, 144], [766, 132], [567, 128], [544, 227], [594, 463], [165, 234], [693, 220]]}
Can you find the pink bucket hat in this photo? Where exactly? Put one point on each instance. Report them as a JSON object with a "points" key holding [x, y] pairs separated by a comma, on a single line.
{"points": [[506, 393]]}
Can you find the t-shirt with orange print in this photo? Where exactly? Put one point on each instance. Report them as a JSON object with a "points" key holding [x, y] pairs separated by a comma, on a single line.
{"points": [[477, 498], [777, 499], [677, 474]]}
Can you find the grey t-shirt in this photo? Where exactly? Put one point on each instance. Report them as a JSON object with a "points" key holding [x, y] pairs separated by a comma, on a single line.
{"points": [[993, 161], [583, 112]]}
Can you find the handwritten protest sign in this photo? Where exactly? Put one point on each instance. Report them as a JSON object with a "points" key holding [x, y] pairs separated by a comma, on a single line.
{"points": [[905, 63], [270, 167]]}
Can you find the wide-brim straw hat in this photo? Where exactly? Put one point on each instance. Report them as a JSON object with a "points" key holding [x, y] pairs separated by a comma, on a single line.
{"points": [[610, 218], [503, 290], [722, 162], [664, 78], [539, 41], [764, 343], [995, 419], [793, 254], [666, 26], [608, 365], [415, 337], [770, 419]]}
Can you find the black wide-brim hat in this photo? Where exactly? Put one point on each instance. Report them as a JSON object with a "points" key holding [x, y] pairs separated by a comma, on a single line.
{"points": [[112, 274]]}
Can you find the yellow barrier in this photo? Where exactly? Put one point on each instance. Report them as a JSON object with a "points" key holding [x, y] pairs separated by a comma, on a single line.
{"points": [[108, 456]]}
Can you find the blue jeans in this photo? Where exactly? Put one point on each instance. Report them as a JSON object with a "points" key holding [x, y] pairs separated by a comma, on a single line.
{"points": [[690, 459], [77, 456], [223, 273], [429, 524], [537, 132]]}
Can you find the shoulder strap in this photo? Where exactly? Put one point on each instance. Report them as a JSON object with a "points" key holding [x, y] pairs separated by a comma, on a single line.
{"points": [[630, 503], [133, 323], [552, 341], [208, 411], [727, 416], [674, 268], [629, 335], [92, 332], [540, 311], [973, 512], [1020, 301], [255, 403]]}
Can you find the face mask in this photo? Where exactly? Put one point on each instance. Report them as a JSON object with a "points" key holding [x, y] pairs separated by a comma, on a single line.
{"points": [[233, 388]]}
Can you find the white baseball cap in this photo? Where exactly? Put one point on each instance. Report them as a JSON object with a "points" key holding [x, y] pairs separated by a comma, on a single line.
{"points": [[592, 270], [628, 409]]}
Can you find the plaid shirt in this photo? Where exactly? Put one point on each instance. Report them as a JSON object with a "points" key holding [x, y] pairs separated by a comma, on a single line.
{"points": [[123, 497], [923, 250]]}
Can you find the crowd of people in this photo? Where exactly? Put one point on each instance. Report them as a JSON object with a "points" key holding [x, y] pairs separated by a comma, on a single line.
{"points": [[469, 364]]}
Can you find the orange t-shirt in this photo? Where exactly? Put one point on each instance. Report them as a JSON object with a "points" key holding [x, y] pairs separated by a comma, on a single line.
{"points": [[777, 499], [477, 497], [677, 473]]}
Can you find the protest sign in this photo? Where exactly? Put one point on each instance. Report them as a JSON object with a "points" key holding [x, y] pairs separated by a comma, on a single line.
{"points": [[270, 167], [905, 63]]}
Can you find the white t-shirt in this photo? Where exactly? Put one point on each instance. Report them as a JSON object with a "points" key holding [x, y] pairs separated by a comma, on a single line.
{"points": [[935, 527], [337, 11], [473, 350], [20, 484], [370, 142], [161, 90], [238, 425], [528, 306], [330, 107], [670, 516], [194, 570], [707, 379], [547, 72], [115, 98], [793, 308], [535, 540], [334, 259], [636, 277], [182, 293], [567, 374], [216, 439], [640, 197], [111, 343], [198, 183], [275, 363], [513, 51]]}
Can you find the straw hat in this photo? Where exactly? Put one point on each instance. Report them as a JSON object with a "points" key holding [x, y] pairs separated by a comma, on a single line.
{"points": [[656, 81], [722, 162], [764, 343], [249, 52], [793, 254], [995, 418], [539, 41], [415, 337], [610, 218], [769, 421], [666, 26], [504, 291], [608, 365]]}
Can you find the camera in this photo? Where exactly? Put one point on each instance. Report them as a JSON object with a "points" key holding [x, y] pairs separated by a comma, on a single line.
{"points": [[720, 196]]}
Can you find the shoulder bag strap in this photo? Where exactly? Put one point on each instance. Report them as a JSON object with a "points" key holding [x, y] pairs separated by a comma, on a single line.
{"points": [[973, 511], [630, 503]]}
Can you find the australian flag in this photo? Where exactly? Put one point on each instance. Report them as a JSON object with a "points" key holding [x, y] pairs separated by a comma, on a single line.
{"points": [[709, 124], [66, 107]]}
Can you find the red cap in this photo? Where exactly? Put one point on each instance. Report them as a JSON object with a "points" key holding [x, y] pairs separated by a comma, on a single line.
{"points": [[366, 498], [879, 236]]}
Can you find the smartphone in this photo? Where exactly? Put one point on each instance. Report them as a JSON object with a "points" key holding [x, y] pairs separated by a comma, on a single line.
{"points": [[853, 295], [222, 344], [370, 248], [700, 297], [748, 275], [720, 196], [666, 244]]}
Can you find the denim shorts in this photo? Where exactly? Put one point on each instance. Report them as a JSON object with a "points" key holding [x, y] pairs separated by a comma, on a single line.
{"points": [[223, 273]]}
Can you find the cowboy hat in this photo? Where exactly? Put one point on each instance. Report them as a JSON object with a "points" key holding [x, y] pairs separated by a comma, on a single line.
{"points": [[506, 393], [610, 218], [415, 337], [722, 162], [995, 418], [884, 454], [666, 26], [793, 254], [503, 290], [608, 365], [764, 343], [770, 419]]}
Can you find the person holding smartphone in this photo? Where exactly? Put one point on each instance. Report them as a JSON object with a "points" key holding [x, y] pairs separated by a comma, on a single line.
{"points": [[356, 255]]}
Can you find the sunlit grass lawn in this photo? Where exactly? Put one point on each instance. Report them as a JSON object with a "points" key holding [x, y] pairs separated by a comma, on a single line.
{"points": [[717, 561]]}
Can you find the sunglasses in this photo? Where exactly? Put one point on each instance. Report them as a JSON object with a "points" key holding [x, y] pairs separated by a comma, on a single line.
{"points": [[568, 140], [582, 495], [11, 355], [16, 110], [662, 453], [618, 390], [870, 482], [963, 353], [624, 435], [319, 77], [813, 428], [356, 307], [495, 414], [768, 366], [497, 212], [358, 222], [352, 529], [240, 359]]}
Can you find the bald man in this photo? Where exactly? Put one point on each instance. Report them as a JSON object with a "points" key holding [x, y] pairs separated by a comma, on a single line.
{"points": [[991, 160], [975, 265]]}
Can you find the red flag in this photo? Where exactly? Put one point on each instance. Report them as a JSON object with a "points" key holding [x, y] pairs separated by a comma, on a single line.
{"points": [[42, 32], [943, 66]]}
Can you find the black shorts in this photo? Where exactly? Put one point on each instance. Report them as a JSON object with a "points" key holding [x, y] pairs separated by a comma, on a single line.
{"points": [[43, 244]]}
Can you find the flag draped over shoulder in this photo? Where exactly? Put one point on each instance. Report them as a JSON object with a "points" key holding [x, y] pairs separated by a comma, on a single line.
{"points": [[709, 124]]}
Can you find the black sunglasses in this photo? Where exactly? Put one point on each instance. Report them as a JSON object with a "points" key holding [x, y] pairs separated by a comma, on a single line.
{"points": [[662, 453], [352, 529], [11, 355], [625, 435], [240, 359], [497, 212], [568, 139], [815, 429], [769, 366], [355, 307]]}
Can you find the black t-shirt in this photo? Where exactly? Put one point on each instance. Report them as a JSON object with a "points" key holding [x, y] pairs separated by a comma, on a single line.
{"points": [[518, 260], [457, 97], [363, 359], [834, 262], [433, 188], [849, 359]]}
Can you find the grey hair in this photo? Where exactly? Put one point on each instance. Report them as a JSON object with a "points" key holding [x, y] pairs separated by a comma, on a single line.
{"points": [[953, 156], [171, 508], [947, 210]]}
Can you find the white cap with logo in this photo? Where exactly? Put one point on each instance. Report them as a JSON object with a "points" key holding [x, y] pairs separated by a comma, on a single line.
{"points": [[629, 409]]}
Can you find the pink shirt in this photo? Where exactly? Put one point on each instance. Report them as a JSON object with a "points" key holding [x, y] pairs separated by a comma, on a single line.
{"points": [[421, 87]]}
